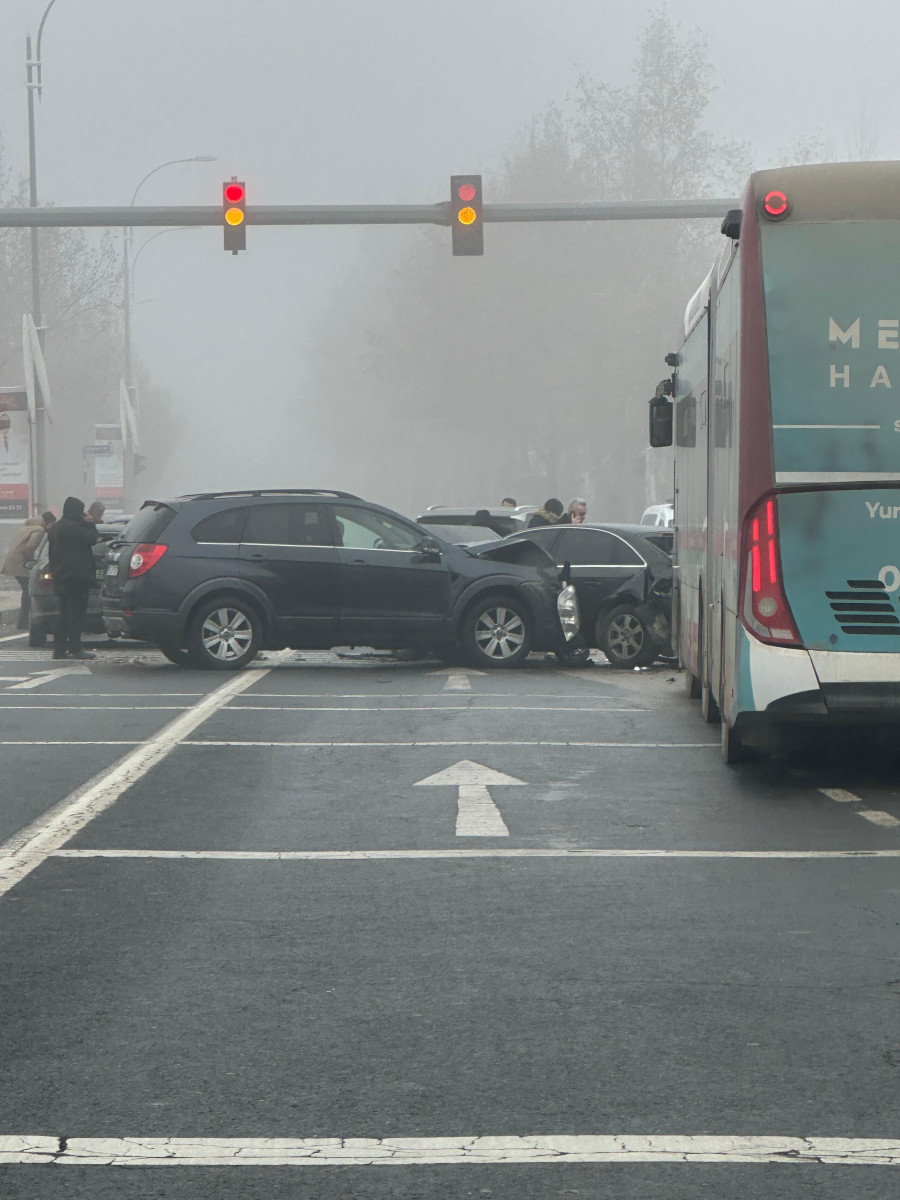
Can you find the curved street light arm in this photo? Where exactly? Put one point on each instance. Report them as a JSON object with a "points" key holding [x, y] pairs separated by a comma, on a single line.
{"points": [[37, 49], [171, 163]]}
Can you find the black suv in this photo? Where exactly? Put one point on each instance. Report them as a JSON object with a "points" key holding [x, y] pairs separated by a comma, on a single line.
{"points": [[214, 578]]}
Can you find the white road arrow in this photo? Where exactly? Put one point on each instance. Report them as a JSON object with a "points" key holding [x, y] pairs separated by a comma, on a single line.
{"points": [[477, 814], [457, 678], [46, 676]]}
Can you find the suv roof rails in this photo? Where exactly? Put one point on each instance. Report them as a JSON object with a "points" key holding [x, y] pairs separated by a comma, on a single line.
{"points": [[271, 492]]}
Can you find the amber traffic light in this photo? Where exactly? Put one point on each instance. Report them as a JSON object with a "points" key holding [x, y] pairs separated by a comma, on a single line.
{"points": [[466, 218], [233, 197]]}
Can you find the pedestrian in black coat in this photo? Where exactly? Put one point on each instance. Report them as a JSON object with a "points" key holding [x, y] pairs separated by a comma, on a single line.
{"points": [[72, 565]]}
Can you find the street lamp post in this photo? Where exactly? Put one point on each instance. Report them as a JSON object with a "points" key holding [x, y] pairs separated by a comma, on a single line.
{"points": [[33, 84], [126, 266], [127, 269]]}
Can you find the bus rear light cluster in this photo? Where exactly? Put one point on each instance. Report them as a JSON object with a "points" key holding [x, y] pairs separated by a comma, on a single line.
{"points": [[766, 611]]}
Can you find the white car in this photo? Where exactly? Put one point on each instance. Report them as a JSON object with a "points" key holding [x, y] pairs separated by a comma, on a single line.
{"points": [[659, 514]]}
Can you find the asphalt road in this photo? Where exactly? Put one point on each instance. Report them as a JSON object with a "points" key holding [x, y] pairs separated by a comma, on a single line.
{"points": [[239, 907]]}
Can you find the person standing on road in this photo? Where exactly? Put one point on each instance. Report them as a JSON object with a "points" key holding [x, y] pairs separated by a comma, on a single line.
{"points": [[72, 565], [508, 502], [575, 513], [19, 560], [548, 515], [96, 511]]}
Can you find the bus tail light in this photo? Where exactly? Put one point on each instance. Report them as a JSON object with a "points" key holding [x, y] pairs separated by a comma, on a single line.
{"points": [[145, 556], [767, 613]]}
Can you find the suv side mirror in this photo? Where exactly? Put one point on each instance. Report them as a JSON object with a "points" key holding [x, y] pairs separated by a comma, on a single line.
{"points": [[430, 549], [660, 421]]}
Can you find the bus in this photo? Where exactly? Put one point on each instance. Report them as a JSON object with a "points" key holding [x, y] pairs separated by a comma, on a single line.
{"points": [[783, 411]]}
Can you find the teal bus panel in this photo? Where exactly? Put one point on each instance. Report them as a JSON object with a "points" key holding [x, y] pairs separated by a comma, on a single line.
{"points": [[840, 558], [832, 294]]}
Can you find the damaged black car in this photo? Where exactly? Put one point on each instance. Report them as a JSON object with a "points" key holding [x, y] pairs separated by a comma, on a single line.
{"points": [[623, 578]]}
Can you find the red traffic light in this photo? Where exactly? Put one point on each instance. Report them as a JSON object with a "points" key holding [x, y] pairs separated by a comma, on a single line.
{"points": [[466, 192], [234, 195]]}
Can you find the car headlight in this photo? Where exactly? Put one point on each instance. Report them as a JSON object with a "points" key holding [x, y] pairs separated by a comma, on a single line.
{"points": [[569, 615]]}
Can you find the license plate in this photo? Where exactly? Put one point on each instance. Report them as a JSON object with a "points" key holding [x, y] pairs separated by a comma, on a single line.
{"points": [[111, 569]]}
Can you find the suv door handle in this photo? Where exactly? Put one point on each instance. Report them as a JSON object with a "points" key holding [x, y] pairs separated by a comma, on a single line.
{"points": [[259, 557]]}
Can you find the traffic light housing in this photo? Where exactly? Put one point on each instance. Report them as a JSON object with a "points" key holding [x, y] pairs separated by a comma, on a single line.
{"points": [[233, 199], [466, 216]]}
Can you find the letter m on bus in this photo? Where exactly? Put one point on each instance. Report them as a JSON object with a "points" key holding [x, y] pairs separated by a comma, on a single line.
{"points": [[836, 334]]}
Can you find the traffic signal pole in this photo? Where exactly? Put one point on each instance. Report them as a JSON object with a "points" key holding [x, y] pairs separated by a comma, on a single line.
{"points": [[364, 214]]}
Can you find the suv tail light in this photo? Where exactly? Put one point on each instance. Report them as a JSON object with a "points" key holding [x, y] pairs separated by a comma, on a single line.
{"points": [[766, 612], [143, 557]]}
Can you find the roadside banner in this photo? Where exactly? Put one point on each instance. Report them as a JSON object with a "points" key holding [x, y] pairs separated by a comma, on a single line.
{"points": [[128, 418], [35, 367], [15, 454], [109, 466]]}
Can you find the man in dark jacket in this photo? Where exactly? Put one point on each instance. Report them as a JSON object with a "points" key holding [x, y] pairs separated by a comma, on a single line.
{"points": [[72, 564]]}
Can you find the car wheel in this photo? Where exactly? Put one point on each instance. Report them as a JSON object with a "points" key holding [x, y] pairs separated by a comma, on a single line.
{"points": [[625, 639], [497, 632], [224, 635], [37, 635], [177, 655]]}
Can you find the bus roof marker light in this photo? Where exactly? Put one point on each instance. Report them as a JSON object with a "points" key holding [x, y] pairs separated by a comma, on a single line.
{"points": [[776, 205]]}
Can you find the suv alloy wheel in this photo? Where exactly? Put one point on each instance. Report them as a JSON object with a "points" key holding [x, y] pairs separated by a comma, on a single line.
{"points": [[497, 632], [225, 634]]}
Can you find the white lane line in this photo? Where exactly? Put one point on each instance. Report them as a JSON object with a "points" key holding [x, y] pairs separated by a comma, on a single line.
{"points": [[877, 817], [874, 815], [471, 707], [72, 742], [94, 707], [31, 845], [369, 745], [400, 1151], [317, 708], [371, 855], [14, 637], [382, 696], [473, 742]]}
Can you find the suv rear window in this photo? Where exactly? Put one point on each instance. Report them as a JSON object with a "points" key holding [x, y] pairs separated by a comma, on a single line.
{"points": [[148, 524]]}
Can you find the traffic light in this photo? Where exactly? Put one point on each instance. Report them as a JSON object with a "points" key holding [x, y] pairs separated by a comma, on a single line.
{"points": [[466, 219], [233, 198]]}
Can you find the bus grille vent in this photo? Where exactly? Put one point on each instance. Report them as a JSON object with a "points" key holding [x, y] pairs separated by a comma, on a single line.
{"points": [[865, 608]]}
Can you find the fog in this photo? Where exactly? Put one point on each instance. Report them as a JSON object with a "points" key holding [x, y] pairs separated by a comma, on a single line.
{"points": [[279, 362]]}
